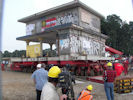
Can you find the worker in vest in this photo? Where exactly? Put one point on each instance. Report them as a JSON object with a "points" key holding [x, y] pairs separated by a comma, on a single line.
{"points": [[86, 94]]}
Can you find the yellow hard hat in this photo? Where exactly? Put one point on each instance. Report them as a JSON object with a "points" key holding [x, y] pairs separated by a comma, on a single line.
{"points": [[89, 87], [109, 64], [54, 72]]}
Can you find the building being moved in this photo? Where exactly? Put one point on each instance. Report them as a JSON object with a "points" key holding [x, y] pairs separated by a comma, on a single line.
{"points": [[73, 27], [75, 30]]}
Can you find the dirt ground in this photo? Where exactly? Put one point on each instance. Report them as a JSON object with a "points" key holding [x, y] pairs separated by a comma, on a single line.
{"points": [[19, 86]]}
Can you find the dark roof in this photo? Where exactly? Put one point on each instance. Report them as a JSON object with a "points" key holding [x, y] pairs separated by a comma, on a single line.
{"points": [[60, 8]]}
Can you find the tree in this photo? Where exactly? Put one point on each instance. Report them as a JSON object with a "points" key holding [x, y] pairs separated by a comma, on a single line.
{"points": [[131, 38], [111, 27], [48, 52], [6, 54], [16, 53], [120, 33]]}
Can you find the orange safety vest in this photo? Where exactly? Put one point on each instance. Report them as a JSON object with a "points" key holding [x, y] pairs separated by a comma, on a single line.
{"points": [[85, 95]]}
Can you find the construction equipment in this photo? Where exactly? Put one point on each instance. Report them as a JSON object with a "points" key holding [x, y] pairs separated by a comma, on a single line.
{"points": [[123, 84], [113, 52]]}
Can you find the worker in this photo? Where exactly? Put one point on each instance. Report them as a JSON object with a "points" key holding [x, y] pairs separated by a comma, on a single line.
{"points": [[125, 64], [40, 77], [49, 90], [68, 69], [2, 67], [86, 93], [118, 68], [105, 66], [131, 61], [109, 77]]}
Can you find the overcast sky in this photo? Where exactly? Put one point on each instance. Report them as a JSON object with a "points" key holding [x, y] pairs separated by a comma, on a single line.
{"points": [[17, 9]]}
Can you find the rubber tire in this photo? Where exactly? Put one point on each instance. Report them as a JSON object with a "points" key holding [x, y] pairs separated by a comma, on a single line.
{"points": [[92, 73], [76, 72], [83, 72], [86, 72]]}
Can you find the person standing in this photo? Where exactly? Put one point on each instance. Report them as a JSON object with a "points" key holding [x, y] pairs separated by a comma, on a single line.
{"points": [[125, 64], [40, 78], [109, 77], [86, 93], [118, 68], [49, 91]]}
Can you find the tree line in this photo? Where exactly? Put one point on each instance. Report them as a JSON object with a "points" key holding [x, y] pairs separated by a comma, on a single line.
{"points": [[22, 53], [120, 35]]}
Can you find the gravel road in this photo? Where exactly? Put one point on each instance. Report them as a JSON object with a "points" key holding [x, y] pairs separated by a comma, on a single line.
{"points": [[19, 86]]}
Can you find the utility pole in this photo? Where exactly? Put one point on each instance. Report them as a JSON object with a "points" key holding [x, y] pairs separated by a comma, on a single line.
{"points": [[1, 15]]}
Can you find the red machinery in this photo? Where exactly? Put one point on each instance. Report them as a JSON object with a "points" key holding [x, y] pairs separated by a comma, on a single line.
{"points": [[113, 52], [79, 67]]}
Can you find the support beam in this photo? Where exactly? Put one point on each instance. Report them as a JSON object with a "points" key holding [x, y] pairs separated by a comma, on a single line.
{"points": [[41, 51], [27, 42], [58, 44], [51, 44]]}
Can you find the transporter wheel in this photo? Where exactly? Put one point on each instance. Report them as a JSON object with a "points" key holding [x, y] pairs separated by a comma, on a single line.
{"points": [[32, 69], [92, 73], [83, 72], [76, 72], [29, 70], [86, 72], [97, 73], [101, 72], [24, 70]]}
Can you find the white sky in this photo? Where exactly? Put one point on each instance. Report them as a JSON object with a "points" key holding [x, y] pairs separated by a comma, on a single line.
{"points": [[17, 9]]}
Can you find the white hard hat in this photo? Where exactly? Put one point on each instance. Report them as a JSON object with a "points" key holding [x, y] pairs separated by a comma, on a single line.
{"points": [[38, 65], [116, 60], [123, 58]]}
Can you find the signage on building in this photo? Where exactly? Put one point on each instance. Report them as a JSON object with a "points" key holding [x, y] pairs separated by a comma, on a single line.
{"points": [[48, 23], [64, 18]]}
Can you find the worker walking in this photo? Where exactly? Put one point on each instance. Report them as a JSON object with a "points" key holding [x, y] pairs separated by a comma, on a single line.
{"points": [[109, 77], [125, 64], [40, 78], [49, 90], [86, 93]]}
